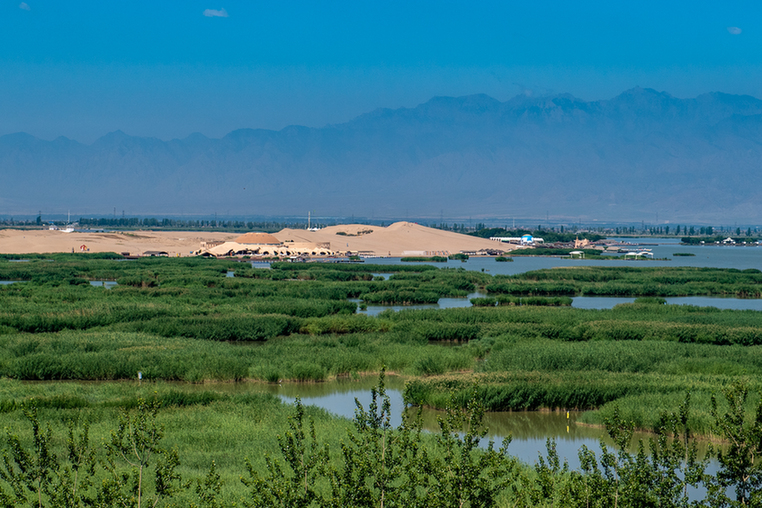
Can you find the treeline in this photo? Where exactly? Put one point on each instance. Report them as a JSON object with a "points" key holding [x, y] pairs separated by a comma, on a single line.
{"points": [[548, 236], [189, 224], [552, 251], [697, 240]]}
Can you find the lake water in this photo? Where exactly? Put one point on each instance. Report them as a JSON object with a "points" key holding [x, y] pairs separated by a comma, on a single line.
{"points": [[529, 429], [608, 302], [716, 256], [108, 284], [443, 303], [6, 282], [578, 302]]}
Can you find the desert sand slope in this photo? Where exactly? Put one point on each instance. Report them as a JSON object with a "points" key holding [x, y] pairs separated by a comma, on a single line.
{"points": [[396, 240], [13, 241], [399, 239]]}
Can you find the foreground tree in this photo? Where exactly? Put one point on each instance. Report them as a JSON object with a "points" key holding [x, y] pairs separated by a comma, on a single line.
{"points": [[658, 474], [383, 466], [37, 477], [136, 443], [740, 464]]}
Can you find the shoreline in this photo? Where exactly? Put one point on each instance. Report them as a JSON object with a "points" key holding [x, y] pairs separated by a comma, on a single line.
{"points": [[396, 240]]}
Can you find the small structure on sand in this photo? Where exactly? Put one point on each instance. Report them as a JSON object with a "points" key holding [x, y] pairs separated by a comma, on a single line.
{"points": [[266, 245]]}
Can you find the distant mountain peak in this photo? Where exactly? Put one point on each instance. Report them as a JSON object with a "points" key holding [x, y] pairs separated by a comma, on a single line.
{"points": [[643, 151], [18, 137], [195, 136], [111, 139]]}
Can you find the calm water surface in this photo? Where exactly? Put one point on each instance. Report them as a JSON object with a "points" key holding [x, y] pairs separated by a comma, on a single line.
{"points": [[608, 302], [529, 429], [108, 284], [715, 256], [443, 303]]}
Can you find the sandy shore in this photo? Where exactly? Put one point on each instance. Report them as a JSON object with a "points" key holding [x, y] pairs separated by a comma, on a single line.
{"points": [[399, 239], [184, 243]]}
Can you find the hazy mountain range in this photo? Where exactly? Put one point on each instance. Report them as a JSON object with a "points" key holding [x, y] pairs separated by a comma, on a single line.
{"points": [[632, 157]]}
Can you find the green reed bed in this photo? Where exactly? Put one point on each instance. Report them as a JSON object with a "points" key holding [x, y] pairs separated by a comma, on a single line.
{"points": [[120, 355], [210, 423], [642, 396], [560, 301], [327, 461], [509, 354], [183, 319], [632, 281], [424, 259], [646, 377], [637, 321]]}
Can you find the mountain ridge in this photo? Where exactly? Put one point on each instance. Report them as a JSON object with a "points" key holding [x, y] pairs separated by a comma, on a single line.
{"points": [[630, 157]]}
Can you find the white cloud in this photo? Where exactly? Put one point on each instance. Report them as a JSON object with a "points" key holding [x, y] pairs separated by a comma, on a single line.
{"points": [[24, 6], [734, 30], [213, 13]]}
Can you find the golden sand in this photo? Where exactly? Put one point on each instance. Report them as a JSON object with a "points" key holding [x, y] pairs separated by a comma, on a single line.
{"points": [[396, 240]]}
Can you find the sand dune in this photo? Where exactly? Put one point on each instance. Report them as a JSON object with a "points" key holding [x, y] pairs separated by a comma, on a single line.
{"points": [[14, 241], [398, 239]]}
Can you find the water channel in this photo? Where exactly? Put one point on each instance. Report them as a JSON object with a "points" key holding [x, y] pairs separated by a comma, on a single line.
{"points": [[529, 430], [108, 284]]}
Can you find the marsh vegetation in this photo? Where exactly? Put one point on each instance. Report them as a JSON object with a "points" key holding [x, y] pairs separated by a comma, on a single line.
{"points": [[520, 347]]}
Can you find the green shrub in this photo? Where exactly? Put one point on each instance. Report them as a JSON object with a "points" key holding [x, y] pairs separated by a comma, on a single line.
{"points": [[429, 365], [458, 332], [303, 371]]}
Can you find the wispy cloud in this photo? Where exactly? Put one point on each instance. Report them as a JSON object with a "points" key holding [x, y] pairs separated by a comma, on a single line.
{"points": [[24, 6], [214, 13], [734, 30]]}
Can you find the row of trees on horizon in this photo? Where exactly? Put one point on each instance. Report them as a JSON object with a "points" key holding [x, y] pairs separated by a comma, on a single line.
{"points": [[480, 229]]}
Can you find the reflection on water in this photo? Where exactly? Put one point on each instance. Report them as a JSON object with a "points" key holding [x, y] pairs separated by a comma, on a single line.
{"points": [[608, 302], [715, 256], [599, 302], [443, 303], [719, 302], [529, 429], [108, 284], [580, 302], [6, 282]]}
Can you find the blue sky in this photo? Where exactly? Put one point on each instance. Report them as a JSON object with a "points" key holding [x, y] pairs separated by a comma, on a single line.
{"points": [[167, 69]]}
